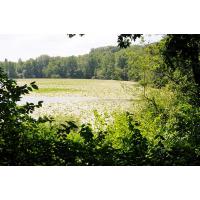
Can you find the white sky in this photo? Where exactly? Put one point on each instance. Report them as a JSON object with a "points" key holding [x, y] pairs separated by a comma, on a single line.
{"points": [[15, 46]]}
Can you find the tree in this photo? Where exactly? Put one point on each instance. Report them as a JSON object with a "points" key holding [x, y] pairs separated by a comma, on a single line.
{"points": [[9, 68], [124, 40], [183, 51], [54, 70], [122, 63], [72, 66], [180, 51], [41, 62], [14, 119]]}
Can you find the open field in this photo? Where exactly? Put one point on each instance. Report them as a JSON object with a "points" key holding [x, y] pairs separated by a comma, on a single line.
{"points": [[80, 97]]}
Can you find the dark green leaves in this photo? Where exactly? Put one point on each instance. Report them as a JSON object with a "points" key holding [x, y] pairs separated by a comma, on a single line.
{"points": [[34, 86], [124, 40]]}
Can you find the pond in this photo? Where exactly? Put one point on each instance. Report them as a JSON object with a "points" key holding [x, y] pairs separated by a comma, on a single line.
{"points": [[81, 99]]}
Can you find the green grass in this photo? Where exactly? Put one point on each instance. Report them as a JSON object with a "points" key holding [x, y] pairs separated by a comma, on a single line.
{"points": [[84, 87], [57, 90]]}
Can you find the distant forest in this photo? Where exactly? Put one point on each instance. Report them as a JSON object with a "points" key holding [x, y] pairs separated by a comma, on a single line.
{"points": [[101, 63]]}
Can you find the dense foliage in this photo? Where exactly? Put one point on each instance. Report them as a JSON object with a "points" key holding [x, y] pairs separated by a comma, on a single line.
{"points": [[101, 63], [163, 130]]}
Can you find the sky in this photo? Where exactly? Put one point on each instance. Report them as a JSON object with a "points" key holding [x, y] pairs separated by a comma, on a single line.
{"points": [[15, 46]]}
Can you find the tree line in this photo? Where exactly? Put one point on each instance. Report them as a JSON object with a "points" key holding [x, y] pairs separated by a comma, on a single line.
{"points": [[101, 63]]}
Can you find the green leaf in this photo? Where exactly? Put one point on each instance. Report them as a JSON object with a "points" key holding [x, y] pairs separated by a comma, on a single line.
{"points": [[35, 87]]}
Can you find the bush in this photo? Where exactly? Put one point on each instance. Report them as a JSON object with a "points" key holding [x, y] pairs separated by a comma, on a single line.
{"points": [[171, 125], [164, 131]]}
